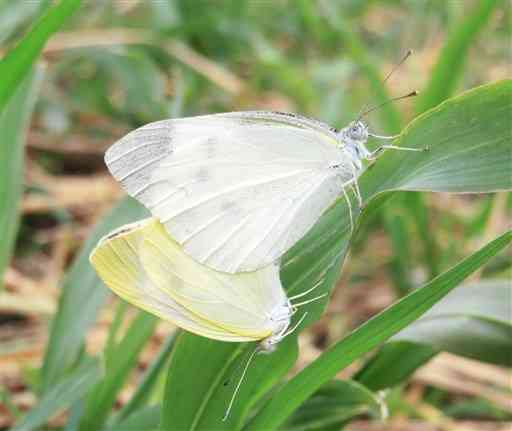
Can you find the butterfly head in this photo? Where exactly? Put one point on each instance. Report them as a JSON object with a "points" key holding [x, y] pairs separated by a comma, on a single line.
{"points": [[279, 320], [356, 131], [353, 139]]}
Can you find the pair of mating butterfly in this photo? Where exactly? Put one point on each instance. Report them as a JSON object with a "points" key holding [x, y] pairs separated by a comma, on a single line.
{"points": [[229, 194]]}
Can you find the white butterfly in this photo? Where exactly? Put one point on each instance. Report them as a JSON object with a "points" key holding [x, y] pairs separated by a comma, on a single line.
{"points": [[237, 190]]}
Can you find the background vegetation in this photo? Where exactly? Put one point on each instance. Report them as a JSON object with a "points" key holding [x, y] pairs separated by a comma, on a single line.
{"points": [[75, 76]]}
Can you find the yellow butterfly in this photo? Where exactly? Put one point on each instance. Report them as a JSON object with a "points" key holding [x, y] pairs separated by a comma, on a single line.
{"points": [[143, 265]]}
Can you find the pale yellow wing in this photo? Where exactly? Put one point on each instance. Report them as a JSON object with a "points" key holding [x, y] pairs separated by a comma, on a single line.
{"points": [[143, 265]]}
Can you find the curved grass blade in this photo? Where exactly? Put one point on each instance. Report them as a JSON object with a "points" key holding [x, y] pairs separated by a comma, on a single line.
{"points": [[14, 120], [102, 397], [15, 66], [81, 298], [472, 321], [450, 65], [391, 118], [334, 404], [394, 363], [368, 336], [63, 394], [143, 419], [148, 382]]}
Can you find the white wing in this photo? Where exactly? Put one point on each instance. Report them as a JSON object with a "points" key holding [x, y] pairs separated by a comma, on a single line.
{"points": [[236, 190], [142, 264]]}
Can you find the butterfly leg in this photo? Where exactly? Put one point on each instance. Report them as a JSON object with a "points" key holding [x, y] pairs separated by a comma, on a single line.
{"points": [[357, 192], [349, 206], [355, 187], [377, 152]]}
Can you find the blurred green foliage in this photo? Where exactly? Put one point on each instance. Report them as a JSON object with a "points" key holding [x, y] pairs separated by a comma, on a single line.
{"points": [[118, 65]]}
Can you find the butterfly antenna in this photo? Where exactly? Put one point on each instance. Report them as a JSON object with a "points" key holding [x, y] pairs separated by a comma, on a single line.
{"points": [[296, 325], [397, 66], [237, 369], [300, 295], [235, 392], [394, 99], [310, 300], [364, 109]]}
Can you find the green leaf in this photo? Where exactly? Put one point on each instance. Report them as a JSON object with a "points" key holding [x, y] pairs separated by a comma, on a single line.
{"points": [[393, 364], [470, 147], [368, 336], [15, 15], [81, 298], [333, 404], [70, 389], [143, 419], [472, 321], [450, 65], [197, 391], [146, 386], [186, 399], [14, 121], [113, 330], [122, 361], [16, 65]]}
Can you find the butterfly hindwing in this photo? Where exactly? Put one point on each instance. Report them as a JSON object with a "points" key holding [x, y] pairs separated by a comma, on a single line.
{"points": [[143, 265]]}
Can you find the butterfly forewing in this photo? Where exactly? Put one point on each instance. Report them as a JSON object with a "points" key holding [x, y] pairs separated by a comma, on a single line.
{"points": [[236, 190]]}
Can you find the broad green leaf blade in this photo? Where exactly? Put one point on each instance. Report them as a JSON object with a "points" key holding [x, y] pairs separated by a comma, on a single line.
{"points": [[70, 389], [18, 62], [368, 336], [450, 65], [186, 399], [123, 360], [14, 120], [146, 386], [82, 296], [265, 372], [470, 147], [472, 321], [333, 404], [196, 397]]}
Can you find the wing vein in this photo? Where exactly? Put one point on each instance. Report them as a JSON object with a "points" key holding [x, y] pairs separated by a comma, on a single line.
{"points": [[232, 189]]}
